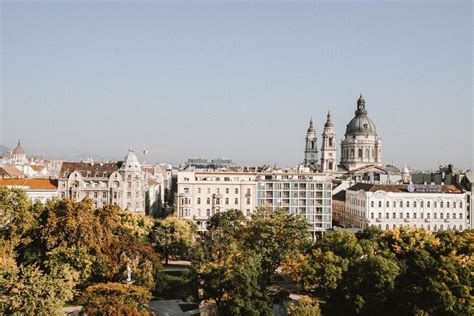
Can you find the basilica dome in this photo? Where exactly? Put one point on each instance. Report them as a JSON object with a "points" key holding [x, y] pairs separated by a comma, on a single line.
{"points": [[361, 123], [19, 150]]}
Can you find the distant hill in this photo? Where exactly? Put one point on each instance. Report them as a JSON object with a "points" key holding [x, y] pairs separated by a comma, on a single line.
{"points": [[4, 149]]}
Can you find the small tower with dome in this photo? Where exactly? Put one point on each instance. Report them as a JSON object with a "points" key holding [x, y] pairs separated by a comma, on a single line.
{"points": [[361, 145], [311, 150], [328, 147]]}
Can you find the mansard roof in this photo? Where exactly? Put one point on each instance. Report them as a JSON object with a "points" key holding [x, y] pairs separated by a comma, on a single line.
{"points": [[84, 167]]}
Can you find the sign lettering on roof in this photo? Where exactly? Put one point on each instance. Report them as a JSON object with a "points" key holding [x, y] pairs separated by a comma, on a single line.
{"points": [[429, 188]]}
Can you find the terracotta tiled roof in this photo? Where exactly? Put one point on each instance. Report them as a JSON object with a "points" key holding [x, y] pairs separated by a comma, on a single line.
{"points": [[31, 183], [397, 188], [11, 172], [37, 167]]}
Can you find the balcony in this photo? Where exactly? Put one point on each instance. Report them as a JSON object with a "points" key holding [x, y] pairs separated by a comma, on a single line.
{"points": [[428, 220], [447, 220], [407, 220], [378, 220]]}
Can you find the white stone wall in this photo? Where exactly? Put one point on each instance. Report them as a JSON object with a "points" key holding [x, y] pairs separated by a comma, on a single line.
{"points": [[387, 210], [202, 194]]}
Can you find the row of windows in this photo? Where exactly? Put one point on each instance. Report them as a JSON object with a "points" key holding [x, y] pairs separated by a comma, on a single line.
{"points": [[218, 201], [208, 212], [360, 153], [428, 215], [227, 190], [428, 227], [415, 205]]}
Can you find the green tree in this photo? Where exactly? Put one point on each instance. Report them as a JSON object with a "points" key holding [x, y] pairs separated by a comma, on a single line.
{"points": [[305, 306], [30, 291], [17, 217], [115, 299], [274, 235], [172, 236], [234, 282]]}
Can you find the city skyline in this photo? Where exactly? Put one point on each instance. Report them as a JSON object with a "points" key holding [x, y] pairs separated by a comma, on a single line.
{"points": [[102, 78]]}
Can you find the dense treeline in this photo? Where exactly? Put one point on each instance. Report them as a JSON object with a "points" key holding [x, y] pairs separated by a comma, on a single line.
{"points": [[395, 272], [67, 252]]}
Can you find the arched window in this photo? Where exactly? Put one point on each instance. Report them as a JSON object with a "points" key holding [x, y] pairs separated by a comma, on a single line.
{"points": [[330, 141], [208, 200], [428, 204], [352, 153], [198, 200], [414, 204], [380, 203], [360, 153], [387, 227], [208, 212], [367, 153], [312, 144]]}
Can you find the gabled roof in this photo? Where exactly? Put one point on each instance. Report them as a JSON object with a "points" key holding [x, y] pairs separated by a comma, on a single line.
{"points": [[48, 184], [10, 172]]}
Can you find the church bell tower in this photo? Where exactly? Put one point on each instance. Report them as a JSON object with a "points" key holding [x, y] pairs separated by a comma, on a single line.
{"points": [[328, 147], [311, 151]]}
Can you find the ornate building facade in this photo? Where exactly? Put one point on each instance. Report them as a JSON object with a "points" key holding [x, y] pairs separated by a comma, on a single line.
{"points": [[121, 183]]}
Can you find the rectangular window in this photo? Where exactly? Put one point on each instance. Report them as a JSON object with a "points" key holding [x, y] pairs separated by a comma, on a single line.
{"points": [[236, 191], [236, 201]]}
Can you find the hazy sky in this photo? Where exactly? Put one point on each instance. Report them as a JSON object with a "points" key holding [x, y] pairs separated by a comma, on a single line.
{"points": [[236, 79]]}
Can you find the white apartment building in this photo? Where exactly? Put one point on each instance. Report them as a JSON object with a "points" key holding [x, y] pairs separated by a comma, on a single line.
{"points": [[201, 194], [387, 206], [303, 194]]}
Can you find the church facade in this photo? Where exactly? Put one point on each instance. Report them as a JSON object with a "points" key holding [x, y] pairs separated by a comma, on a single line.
{"points": [[360, 147]]}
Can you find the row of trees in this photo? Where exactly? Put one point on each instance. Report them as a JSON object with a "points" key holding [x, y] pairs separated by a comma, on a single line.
{"points": [[396, 272], [67, 251]]}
